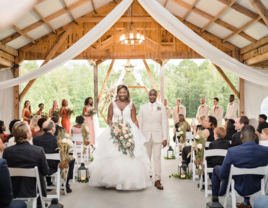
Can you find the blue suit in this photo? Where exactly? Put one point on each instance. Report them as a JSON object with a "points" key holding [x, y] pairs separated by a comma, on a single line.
{"points": [[247, 155]]}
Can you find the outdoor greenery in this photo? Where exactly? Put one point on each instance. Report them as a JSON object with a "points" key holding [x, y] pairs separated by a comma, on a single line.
{"points": [[74, 81]]}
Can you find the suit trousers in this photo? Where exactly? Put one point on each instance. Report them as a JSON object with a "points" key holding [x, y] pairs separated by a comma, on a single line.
{"points": [[17, 204], [219, 186], [155, 149]]}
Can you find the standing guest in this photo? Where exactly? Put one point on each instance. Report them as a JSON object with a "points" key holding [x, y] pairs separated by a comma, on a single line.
{"points": [[231, 109], [6, 192], [89, 122], [230, 129], [24, 155], [26, 112], [217, 111], [11, 124], [254, 122], [41, 108], [168, 113], [55, 107], [3, 136], [40, 124], [247, 155], [262, 123], [202, 109], [179, 109], [56, 120], [65, 121], [33, 124]]}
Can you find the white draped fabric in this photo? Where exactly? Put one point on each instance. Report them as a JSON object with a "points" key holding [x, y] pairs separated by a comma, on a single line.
{"points": [[81, 45], [138, 78], [201, 46]]}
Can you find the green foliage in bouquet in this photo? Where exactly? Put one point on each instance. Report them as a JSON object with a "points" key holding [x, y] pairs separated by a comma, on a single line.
{"points": [[55, 112], [92, 111], [70, 110], [32, 115], [174, 157]]}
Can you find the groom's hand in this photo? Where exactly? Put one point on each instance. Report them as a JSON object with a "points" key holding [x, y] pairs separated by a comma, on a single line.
{"points": [[164, 143]]}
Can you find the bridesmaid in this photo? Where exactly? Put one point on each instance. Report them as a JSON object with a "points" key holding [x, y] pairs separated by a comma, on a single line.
{"points": [[55, 107], [26, 111], [41, 108], [89, 120], [65, 121]]}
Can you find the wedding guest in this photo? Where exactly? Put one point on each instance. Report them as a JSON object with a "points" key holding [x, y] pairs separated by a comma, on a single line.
{"points": [[41, 108], [168, 113], [230, 129], [217, 111], [24, 187], [40, 124], [202, 109], [264, 137], [232, 108], [26, 112], [65, 121], [201, 121], [6, 192], [183, 125], [11, 124], [239, 156], [56, 120], [179, 109], [3, 136], [254, 122], [77, 129], [33, 124], [55, 107], [89, 122], [262, 123]]}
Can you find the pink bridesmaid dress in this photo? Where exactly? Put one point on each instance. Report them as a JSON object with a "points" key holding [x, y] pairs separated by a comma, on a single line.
{"points": [[90, 124]]}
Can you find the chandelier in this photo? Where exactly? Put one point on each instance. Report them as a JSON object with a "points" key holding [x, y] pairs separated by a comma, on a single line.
{"points": [[129, 67]]}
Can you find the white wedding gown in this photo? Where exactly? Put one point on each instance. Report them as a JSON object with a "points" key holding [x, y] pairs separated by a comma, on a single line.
{"points": [[112, 168]]}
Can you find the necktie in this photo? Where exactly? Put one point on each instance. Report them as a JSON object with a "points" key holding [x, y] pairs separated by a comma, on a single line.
{"points": [[152, 109], [215, 108], [200, 108], [178, 109]]}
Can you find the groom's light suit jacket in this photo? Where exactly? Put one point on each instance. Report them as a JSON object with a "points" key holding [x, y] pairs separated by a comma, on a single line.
{"points": [[155, 125]]}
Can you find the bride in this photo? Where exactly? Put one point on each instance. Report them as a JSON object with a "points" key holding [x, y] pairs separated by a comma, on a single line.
{"points": [[112, 168]]}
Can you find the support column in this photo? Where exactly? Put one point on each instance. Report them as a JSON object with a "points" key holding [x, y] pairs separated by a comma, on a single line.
{"points": [[242, 97], [96, 82], [162, 81]]}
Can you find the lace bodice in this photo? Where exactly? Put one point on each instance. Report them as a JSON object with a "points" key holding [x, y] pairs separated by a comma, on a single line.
{"points": [[125, 114]]}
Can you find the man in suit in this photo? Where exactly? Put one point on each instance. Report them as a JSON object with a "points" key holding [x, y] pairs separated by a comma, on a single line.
{"points": [[168, 113], [231, 109], [56, 120], [262, 123], [202, 109], [179, 109], [24, 155], [217, 111], [153, 125], [247, 155]]}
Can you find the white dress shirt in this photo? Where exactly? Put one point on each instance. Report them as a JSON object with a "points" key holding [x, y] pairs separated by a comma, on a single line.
{"points": [[154, 107], [175, 112], [202, 110], [231, 111], [217, 113]]}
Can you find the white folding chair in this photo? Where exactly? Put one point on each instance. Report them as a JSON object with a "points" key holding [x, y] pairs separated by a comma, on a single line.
{"points": [[178, 144], [264, 143], [195, 176], [207, 144], [189, 137], [244, 171], [60, 183], [79, 148], [31, 173], [1, 155], [207, 170]]}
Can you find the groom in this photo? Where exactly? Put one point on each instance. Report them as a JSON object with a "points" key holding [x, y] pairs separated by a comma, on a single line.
{"points": [[153, 125]]}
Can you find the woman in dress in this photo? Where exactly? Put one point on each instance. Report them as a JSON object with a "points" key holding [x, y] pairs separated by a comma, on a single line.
{"points": [[77, 129], [33, 124], [55, 107], [230, 129], [112, 168], [89, 120], [210, 124], [26, 112], [41, 108], [65, 121], [3, 136]]}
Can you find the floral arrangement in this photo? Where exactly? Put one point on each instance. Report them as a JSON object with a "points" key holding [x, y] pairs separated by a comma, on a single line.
{"points": [[182, 132], [121, 134], [108, 94], [85, 133], [44, 115], [55, 112], [64, 146], [175, 175], [69, 110], [32, 115], [92, 111]]}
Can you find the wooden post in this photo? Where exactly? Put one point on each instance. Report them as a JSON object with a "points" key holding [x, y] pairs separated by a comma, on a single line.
{"points": [[242, 96], [162, 81], [96, 82]]}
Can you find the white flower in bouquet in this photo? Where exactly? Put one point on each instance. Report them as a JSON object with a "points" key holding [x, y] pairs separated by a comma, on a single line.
{"points": [[130, 140], [121, 138], [199, 146], [197, 136], [70, 143], [64, 140], [126, 136], [128, 145], [181, 132]]}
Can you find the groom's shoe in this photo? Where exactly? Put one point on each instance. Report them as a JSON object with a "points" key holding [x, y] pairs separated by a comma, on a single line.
{"points": [[158, 185]]}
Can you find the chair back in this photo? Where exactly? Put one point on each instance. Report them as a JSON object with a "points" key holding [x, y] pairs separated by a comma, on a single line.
{"points": [[54, 156], [215, 152], [77, 138], [264, 143], [248, 171], [207, 144]]}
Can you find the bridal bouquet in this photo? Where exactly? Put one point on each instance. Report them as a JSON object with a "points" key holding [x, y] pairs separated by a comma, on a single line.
{"points": [[69, 110], [32, 115], [121, 134], [92, 111], [55, 112], [44, 115]]}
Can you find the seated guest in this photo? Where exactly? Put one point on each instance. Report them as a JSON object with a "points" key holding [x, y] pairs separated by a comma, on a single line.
{"points": [[41, 108], [264, 136], [33, 124], [39, 123], [11, 124], [261, 201], [262, 123], [24, 155], [240, 122], [254, 122], [76, 129], [201, 121], [239, 157], [3, 136], [6, 193], [230, 129], [56, 120], [182, 124], [49, 143]]}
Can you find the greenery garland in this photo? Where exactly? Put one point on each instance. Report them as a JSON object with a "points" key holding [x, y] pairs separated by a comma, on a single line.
{"points": [[81, 181], [175, 175]]}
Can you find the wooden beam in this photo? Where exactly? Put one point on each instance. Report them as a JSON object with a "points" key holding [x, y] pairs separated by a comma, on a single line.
{"points": [[121, 19], [9, 50], [253, 46], [6, 62], [94, 7], [48, 58], [255, 52], [187, 13], [23, 34], [44, 20], [260, 66], [261, 9], [162, 81], [69, 10], [96, 82], [7, 56], [257, 59], [105, 80], [242, 96], [228, 82], [165, 4]]}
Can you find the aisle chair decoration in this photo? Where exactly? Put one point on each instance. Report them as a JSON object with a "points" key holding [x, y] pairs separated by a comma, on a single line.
{"points": [[64, 146], [82, 174], [182, 133], [170, 154], [85, 134]]}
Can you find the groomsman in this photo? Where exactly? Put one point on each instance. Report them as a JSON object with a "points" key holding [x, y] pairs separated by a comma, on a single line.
{"points": [[217, 111], [202, 109], [168, 113], [179, 109], [232, 108]]}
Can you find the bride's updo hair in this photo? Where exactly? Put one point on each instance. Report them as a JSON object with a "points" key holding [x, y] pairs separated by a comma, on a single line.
{"points": [[121, 87]]}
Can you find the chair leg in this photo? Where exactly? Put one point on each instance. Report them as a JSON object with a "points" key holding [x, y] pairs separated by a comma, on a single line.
{"points": [[200, 182], [34, 202], [193, 171], [206, 184], [233, 195], [74, 173]]}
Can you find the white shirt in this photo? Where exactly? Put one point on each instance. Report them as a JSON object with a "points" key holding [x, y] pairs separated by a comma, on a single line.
{"points": [[217, 113], [203, 111], [231, 110], [154, 107], [175, 112], [12, 142]]}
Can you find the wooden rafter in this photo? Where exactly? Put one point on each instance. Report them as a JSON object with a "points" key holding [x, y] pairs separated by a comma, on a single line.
{"points": [[23, 34], [261, 9], [94, 7], [189, 10], [69, 10], [5, 62], [257, 59], [44, 20], [48, 58], [7, 56], [9, 50], [253, 46], [255, 52], [165, 4], [218, 15]]}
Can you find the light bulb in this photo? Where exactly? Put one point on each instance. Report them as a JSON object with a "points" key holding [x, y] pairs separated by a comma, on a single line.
{"points": [[126, 41], [123, 36], [138, 36], [131, 35], [142, 37], [132, 42]]}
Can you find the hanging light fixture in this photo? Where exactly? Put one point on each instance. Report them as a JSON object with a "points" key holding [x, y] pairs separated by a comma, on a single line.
{"points": [[129, 67], [132, 37]]}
